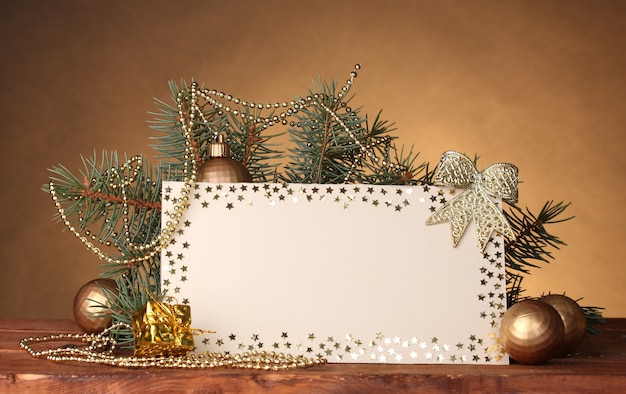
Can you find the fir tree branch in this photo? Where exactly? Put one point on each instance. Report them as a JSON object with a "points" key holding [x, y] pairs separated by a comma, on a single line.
{"points": [[243, 134], [322, 151], [531, 243], [115, 204], [110, 198], [409, 171], [532, 238], [250, 141], [253, 146], [593, 315], [133, 293], [317, 176]]}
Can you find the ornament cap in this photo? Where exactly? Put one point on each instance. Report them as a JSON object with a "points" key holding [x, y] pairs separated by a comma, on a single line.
{"points": [[219, 147]]}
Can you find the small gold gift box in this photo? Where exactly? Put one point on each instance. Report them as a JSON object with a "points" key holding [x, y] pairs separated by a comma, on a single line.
{"points": [[163, 330]]}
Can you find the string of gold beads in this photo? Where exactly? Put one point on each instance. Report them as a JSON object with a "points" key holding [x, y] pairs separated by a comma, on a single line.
{"points": [[190, 163], [213, 97], [100, 350]]}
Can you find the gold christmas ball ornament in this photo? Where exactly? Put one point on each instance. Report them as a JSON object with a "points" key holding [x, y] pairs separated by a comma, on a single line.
{"points": [[90, 305], [574, 321], [531, 332], [220, 167]]}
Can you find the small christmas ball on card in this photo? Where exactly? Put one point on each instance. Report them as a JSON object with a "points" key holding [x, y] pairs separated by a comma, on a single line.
{"points": [[574, 321], [220, 167], [91, 302], [531, 332]]}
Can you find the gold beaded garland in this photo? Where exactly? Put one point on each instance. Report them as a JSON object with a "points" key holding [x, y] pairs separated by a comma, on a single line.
{"points": [[190, 164], [100, 350], [292, 107]]}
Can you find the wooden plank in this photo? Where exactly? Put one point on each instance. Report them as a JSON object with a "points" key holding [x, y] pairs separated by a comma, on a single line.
{"points": [[601, 360]]}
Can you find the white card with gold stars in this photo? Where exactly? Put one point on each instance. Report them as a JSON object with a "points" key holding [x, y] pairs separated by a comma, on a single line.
{"points": [[350, 273]]}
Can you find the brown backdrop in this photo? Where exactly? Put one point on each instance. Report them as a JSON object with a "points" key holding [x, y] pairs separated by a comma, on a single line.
{"points": [[537, 83]]}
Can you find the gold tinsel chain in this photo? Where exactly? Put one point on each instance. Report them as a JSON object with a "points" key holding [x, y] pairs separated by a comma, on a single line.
{"points": [[100, 350], [292, 106], [188, 119], [212, 96]]}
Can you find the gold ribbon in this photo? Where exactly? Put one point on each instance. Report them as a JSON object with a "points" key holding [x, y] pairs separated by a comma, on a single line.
{"points": [[498, 180]]}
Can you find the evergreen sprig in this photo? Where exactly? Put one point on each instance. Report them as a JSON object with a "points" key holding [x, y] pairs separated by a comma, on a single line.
{"points": [[253, 146], [324, 152], [249, 143], [172, 143], [593, 315], [532, 244], [532, 240], [134, 290], [410, 172], [96, 202]]}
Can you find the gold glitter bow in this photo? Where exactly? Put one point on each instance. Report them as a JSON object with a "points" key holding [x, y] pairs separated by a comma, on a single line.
{"points": [[497, 180], [161, 329]]}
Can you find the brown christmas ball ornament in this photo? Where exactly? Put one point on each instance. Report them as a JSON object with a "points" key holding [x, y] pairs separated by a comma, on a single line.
{"points": [[90, 305], [220, 167], [574, 321], [531, 332]]}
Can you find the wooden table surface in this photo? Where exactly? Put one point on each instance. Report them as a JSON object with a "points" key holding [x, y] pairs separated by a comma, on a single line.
{"points": [[598, 366]]}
